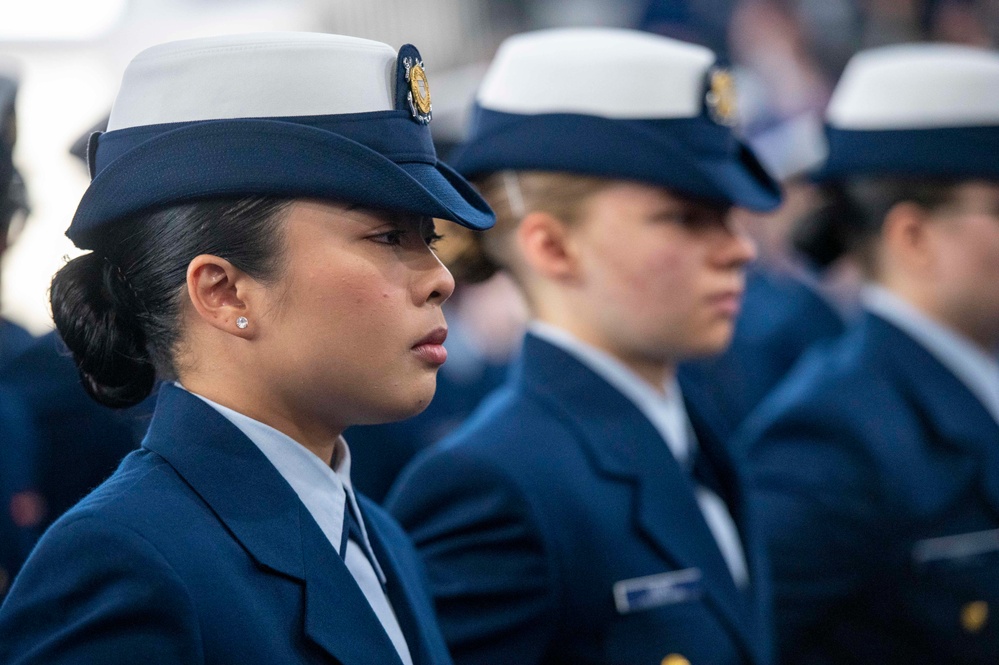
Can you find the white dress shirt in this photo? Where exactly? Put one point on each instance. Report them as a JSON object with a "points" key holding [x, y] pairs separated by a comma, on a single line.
{"points": [[668, 414], [325, 492], [973, 367]]}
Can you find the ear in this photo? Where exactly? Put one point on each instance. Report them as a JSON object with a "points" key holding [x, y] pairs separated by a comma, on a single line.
{"points": [[218, 292], [906, 238], [547, 246]]}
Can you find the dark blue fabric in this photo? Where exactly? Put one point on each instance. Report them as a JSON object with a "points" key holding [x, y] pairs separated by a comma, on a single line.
{"points": [[13, 341], [693, 156], [553, 491], [280, 158], [781, 319], [79, 443], [198, 551], [868, 448], [19, 476], [392, 134], [943, 152]]}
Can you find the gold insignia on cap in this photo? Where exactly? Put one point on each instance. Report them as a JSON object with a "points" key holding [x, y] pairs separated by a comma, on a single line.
{"points": [[419, 90], [974, 616], [721, 97], [675, 659]]}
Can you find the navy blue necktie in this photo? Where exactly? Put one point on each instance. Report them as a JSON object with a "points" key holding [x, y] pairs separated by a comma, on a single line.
{"points": [[703, 472], [351, 531]]}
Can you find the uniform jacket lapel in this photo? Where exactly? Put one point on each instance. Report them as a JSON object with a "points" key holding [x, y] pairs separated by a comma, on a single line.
{"points": [[955, 416], [264, 514], [407, 602], [622, 443]]}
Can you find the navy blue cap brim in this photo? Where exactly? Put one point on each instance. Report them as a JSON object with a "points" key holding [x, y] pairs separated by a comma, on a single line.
{"points": [[938, 152], [691, 156], [265, 157]]}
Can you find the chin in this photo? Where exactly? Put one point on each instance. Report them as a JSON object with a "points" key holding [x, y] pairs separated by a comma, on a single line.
{"points": [[402, 408], [712, 343]]}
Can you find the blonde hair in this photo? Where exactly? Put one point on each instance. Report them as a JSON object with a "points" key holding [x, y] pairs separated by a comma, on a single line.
{"points": [[477, 256]]}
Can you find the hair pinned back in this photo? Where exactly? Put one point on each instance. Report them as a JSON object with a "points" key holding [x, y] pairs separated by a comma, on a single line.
{"points": [[118, 308], [475, 257]]}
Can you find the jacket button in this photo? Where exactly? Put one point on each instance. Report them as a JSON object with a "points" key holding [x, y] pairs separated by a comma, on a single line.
{"points": [[675, 659], [974, 616]]}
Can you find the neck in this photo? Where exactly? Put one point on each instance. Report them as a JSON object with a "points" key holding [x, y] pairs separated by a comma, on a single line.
{"points": [[657, 373], [320, 440]]}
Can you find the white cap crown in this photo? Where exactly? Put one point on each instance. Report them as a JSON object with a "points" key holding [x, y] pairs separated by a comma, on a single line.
{"points": [[597, 71], [261, 76], [917, 86]]}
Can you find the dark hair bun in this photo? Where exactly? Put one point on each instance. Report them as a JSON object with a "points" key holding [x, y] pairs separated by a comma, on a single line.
{"points": [[94, 310]]}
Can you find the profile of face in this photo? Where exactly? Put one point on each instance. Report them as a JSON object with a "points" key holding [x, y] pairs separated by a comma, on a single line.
{"points": [[964, 241], [663, 274], [351, 331]]}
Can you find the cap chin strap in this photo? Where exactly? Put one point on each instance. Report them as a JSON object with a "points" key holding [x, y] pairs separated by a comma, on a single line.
{"points": [[514, 195]]}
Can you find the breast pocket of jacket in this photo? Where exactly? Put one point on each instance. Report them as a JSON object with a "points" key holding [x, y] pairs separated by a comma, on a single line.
{"points": [[955, 594], [663, 618]]}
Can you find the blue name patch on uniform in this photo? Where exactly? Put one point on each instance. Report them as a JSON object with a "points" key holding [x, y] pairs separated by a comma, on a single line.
{"points": [[956, 547], [643, 593]]}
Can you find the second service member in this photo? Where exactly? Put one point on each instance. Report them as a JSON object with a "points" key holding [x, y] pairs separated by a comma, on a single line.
{"points": [[587, 513]]}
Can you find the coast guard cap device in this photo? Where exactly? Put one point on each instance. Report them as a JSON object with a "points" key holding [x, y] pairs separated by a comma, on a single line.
{"points": [[272, 114], [615, 103], [916, 110]]}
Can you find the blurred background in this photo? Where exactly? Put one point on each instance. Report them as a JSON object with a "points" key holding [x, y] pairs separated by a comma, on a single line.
{"points": [[67, 57]]}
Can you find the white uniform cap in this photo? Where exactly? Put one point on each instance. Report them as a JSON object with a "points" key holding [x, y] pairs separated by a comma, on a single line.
{"points": [[597, 71], [360, 78], [917, 86]]}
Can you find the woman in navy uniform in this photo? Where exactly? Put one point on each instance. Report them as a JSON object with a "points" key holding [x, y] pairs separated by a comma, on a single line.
{"points": [[260, 222], [875, 466], [587, 512]]}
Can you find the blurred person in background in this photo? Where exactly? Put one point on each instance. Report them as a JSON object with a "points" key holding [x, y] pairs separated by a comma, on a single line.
{"points": [[13, 208], [20, 502], [74, 443], [874, 466], [587, 511], [264, 248]]}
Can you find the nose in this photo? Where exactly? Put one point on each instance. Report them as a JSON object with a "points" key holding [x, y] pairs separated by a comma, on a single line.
{"points": [[439, 282], [737, 247]]}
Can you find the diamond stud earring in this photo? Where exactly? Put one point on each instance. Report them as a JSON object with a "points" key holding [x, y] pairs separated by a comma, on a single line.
{"points": [[242, 322]]}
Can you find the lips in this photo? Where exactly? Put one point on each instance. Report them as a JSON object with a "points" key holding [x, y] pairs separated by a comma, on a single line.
{"points": [[727, 302], [431, 348]]}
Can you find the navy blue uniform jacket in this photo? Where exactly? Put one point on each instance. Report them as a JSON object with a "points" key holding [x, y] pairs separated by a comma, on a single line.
{"points": [[867, 455], [555, 490], [196, 550]]}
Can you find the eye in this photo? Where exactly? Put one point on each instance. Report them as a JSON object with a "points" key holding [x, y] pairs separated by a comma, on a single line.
{"points": [[693, 219], [432, 239], [393, 237]]}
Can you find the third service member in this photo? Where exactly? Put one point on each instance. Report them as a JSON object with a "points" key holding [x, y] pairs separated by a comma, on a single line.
{"points": [[876, 464], [587, 512]]}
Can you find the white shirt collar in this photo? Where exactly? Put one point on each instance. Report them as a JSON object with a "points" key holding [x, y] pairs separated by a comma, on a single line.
{"points": [[970, 364], [322, 489], [666, 412]]}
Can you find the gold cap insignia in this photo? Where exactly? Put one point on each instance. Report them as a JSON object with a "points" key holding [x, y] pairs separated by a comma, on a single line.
{"points": [[419, 90], [974, 616], [720, 97], [675, 659]]}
